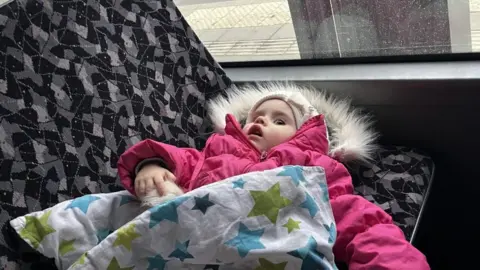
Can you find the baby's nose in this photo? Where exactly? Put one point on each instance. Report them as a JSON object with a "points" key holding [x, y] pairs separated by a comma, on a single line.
{"points": [[260, 120]]}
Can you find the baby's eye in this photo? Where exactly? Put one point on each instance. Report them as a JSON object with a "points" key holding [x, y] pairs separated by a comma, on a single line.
{"points": [[279, 122]]}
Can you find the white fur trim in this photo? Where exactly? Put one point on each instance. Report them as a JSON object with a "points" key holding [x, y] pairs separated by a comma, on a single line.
{"points": [[152, 197], [351, 137]]}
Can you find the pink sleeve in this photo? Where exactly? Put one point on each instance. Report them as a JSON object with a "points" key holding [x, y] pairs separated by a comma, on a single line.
{"points": [[366, 235], [180, 161]]}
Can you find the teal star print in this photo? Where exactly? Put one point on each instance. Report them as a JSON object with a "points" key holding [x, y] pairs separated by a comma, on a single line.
{"points": [[312, 259], [156, 262], [324, 188], [310, 205], [238, 183], [102, 234], [166, 211], [82, 203], [294, 172], [126, 199], [246, 240], [331, 231], [202, 203], [181, 251]]}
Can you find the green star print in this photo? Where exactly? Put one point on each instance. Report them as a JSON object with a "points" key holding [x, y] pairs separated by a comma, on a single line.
{"points": [[113, 265], [36, 228], [268, 265], [268, 203], [81, 260], [291, 225], [125, 236], [66, 246]]}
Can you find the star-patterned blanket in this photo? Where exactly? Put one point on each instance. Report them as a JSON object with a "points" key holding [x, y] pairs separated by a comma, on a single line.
{"points": [[275, 219]]}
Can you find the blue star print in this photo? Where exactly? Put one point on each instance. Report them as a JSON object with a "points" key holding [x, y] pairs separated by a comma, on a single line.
{"points": [[312, 259], [310, 205], [181, 251], [331, 231], [166, 211], [238, 183], [202, 203], [246, 240], [156, 262], [126, 199], [295, 172], [324, 188], [82, 203]]}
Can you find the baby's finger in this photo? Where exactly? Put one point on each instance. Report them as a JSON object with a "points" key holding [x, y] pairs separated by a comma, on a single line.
{"points": [[160, 185], [170, 176], [137, 186], [141, 186], [149, 185]]}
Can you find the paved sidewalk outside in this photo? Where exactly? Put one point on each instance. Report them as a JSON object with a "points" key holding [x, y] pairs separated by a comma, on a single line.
{"points": [[244, 30], [249, 30], [475, 24]]}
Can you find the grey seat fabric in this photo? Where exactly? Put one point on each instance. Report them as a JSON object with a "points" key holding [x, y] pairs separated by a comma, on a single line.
{"points": [[398, 181], [81, 81]]}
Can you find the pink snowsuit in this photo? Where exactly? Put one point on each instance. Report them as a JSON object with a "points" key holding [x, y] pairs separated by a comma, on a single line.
{"points": [[366, 236]]}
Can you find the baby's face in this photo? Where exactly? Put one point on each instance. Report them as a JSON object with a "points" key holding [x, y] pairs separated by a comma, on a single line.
{"points": [[273, 123]]}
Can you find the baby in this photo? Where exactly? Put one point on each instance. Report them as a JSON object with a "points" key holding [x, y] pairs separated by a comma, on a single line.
{"points": [[282, 128]]}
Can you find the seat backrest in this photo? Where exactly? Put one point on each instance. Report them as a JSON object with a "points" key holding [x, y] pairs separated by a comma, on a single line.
{"points": [[81, 81]]}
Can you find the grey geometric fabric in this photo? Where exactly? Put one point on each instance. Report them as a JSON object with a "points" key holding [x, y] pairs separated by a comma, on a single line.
{"points": [[80, 82], [397, 181]]}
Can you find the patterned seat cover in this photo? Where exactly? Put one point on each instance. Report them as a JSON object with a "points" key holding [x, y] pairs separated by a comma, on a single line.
{"points": [[83, 80]]}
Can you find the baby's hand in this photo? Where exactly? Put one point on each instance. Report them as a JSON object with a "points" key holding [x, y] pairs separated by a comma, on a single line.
{"points": [[150, 177]]}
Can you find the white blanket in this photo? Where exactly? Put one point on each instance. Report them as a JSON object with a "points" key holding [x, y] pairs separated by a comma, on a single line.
{"points": [[275, 219]]}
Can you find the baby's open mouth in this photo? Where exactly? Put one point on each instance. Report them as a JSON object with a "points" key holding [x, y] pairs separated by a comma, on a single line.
{"points": [[255, 130]]}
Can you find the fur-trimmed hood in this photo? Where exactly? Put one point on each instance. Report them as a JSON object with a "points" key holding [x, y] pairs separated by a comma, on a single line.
{"points": [[351, 137]]}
